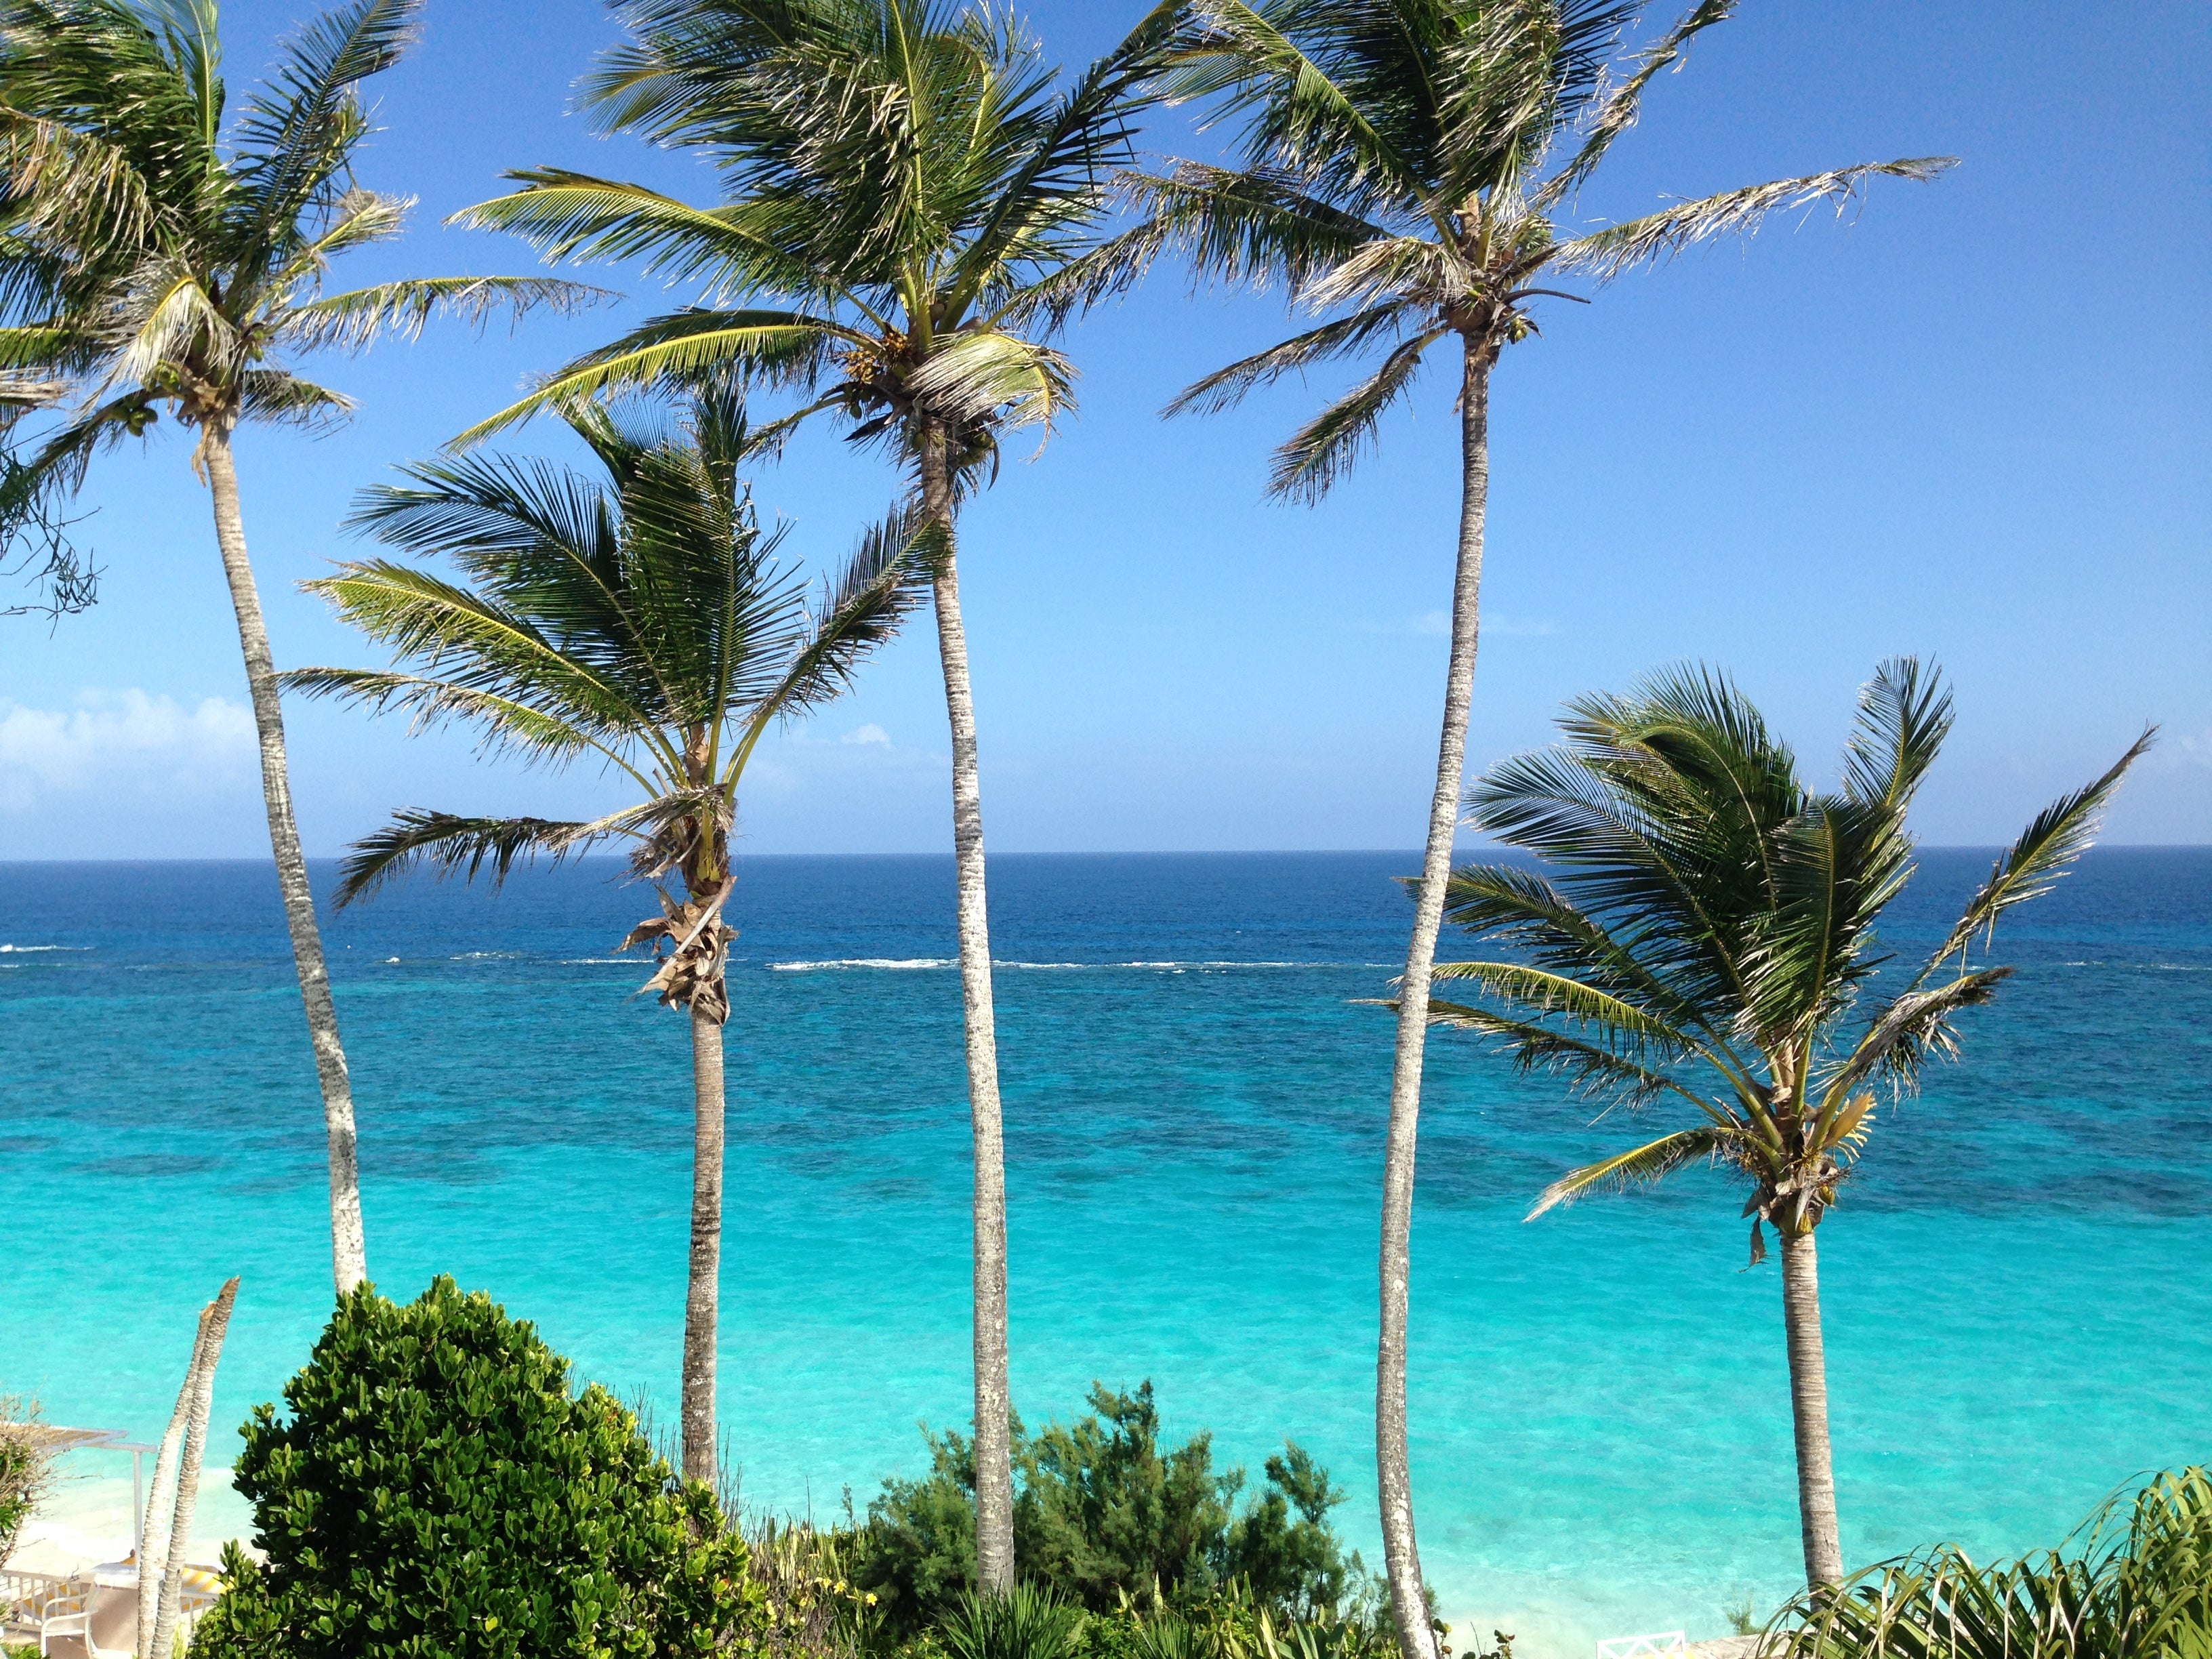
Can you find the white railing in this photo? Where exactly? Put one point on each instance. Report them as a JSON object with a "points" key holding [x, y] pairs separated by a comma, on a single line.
{"points": [[1665, 1642]]}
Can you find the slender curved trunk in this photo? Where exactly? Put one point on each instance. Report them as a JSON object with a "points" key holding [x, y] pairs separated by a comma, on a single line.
{"points": [[994, 1470], [702, 1300], [1808, 1410], [165, 1534], [1394, 1473], [349, 1250], [207, 1353]]}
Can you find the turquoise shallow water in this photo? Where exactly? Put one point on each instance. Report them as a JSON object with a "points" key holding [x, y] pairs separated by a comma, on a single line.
{"points": [[2018, 1292]]}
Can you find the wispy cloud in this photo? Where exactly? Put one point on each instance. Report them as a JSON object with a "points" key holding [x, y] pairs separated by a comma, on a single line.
{"points": [[121, 740], [869, 733]]}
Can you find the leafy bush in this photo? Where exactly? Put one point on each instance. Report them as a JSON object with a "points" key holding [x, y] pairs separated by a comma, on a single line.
{"points": [[438, 1488], [1104, 1517], [27, 1469], [2133, 1582]]}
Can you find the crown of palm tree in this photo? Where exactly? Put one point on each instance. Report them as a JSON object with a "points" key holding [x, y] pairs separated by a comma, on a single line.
{"points": [[1707, 933], [1406, 163], [902, 173], [645, 619], [148, 255]]}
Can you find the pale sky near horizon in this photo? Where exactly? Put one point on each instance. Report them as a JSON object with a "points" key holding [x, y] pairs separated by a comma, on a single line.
{"points": [[1969, 421]]}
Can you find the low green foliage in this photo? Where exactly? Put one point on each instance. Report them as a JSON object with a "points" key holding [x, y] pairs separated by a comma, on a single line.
{"points": [[26, 1470], [1106, 1518], [437, 1488], [2133, 1582]]}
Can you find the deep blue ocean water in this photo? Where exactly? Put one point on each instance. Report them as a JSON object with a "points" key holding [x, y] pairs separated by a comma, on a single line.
{"points": [[2018, 1289]]}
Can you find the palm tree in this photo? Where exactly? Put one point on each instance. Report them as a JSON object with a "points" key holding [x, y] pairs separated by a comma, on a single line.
{"points": [[1708, 939], [908, 200], [150, 259], [644, 621], [1407, 169]]}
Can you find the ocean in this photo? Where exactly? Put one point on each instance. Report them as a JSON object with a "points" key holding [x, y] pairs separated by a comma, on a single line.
{"points": [[2018, 1287]]}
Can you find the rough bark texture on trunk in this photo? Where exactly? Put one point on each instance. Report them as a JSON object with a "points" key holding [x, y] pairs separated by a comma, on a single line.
{"points": [[995, 1471], [1401, 1554], [207, 1353], [349, 1251], [165, 1532], [702, 1302], [1808, 1410]]}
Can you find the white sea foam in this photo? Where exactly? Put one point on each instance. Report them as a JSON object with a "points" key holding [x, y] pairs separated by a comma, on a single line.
{"points": [[619, 962], [27, 950], [864, 961]]}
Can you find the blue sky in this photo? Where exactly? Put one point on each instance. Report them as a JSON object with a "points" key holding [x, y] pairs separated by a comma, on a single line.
{"points": [[1969, 421]]}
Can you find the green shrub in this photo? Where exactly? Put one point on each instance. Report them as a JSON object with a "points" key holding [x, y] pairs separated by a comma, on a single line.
{"points": [[1104, 1517], [2133, 1582], [27, 1469], [1027, 1624], [437, 1488]]}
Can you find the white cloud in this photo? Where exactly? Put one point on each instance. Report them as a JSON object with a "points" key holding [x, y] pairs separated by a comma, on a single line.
{"points": [[869, 733], [122, 739], [2197, 748]]}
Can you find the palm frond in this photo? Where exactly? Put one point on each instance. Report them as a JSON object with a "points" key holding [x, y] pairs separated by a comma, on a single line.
{"points": [[509, 724], [1611, 252], [981, 376], [1591, 1068], [1225, 388], [887, 578], [2046, 849], [279, 397], [1903, 719], [451, 845], [1625, 103], [353, 320], [1641, 1166], [773, 348], [1913, 1028], [295, 137], [1316, 455], [576, 216]]}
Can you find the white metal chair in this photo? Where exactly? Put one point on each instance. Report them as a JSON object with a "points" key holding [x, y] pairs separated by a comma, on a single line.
{"points": [[25, 1597], [102, 1611], [1665, 1645]]}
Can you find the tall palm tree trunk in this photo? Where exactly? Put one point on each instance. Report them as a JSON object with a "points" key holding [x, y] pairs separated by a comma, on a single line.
{"points": [[349, 1249], [702, 1299], [1394, 1473], [995, 1471], [1808, 1409]]}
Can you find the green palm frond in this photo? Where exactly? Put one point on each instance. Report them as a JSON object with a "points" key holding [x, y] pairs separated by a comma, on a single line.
{"points": [[1591, 1068], [775, 348], [570, 216], [352, 321], [1225, 388], [1914, 1027], [478, 643], [1643, 1166], [1903, 719], [887, 578], [1614, 251], [507, 725], [452, 844], [295, 138], [1625, 1027], [279, 397], [1315, 457], [2033, 864]]}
